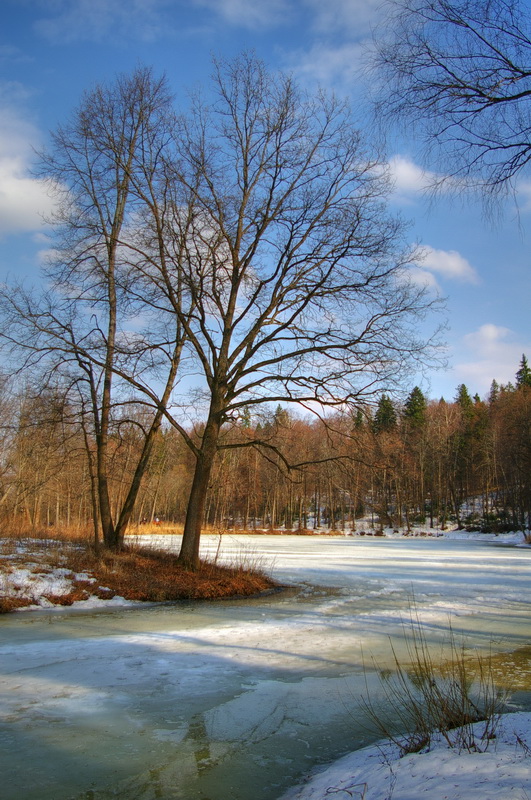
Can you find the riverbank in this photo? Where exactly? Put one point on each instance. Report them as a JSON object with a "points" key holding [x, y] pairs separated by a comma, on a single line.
{"points": [[43, 573], [47, 572], [499, 770]]}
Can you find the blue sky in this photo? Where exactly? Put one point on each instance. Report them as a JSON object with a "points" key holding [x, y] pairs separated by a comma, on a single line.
{"points": [[52, 50]]}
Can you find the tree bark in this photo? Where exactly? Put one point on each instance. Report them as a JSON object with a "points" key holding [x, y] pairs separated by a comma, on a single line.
{"points": [[189, 555]]}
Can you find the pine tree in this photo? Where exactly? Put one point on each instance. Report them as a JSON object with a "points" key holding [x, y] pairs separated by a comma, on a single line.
{"points": [[385, 416], [494, 391], [359, 419], [523, 376], [281, 417], [464, 401], [415, 408]]}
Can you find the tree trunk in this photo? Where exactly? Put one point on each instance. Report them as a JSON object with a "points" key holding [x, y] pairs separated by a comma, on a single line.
{"points": [[189, 555]]}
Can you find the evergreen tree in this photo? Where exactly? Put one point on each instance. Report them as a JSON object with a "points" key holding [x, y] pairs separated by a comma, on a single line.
{"points": [[281, 417], [358, 419], [385, 416], [523, 376], [415, 408], [494, 391], [464, 401]]}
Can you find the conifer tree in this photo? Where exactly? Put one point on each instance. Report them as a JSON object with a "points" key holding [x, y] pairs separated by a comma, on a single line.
{"points": [[385, 416], [523, 376], [415, 408], [494, 391], [464, 400], [358, 419]]}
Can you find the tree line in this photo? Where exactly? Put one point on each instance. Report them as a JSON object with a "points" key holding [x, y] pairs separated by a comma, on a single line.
{"points": [[422, 463]]}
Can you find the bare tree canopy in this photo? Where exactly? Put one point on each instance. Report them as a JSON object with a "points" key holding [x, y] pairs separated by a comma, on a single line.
{"points": [[248, 236], [93, 332], [300, 289], [461, 70]]}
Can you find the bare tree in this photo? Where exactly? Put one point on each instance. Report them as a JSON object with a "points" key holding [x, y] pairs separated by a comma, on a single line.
{"points": [[299, 278], [461, 70], [94, 330]]}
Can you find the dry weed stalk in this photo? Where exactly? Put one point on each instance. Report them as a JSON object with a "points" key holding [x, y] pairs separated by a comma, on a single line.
{"points": [[429, 696]]}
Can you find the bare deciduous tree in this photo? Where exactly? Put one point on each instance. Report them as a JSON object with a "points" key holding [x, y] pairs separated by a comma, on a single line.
{"points": [[250, 234], [92, 329], [299, 281], [461, 70]]}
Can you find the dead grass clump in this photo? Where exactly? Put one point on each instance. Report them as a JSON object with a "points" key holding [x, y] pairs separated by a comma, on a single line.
{"points": [[157, 529], [136, 573], [430, 696], [154, 575], [11, 603], [22, 531]]}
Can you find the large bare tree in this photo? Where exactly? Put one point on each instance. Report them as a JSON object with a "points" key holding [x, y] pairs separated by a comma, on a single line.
{"points": [[297, 275], [461, 70]]}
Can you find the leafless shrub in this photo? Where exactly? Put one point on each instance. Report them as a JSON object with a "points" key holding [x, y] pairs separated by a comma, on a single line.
{"points": [[429, 696]]}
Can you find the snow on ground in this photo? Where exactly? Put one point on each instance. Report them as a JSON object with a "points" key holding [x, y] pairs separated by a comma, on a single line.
{"points": [[27, 572], [501, 772]]}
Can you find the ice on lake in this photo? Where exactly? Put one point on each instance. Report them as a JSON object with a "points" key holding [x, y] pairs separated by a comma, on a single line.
{"points": [[237, 699]]}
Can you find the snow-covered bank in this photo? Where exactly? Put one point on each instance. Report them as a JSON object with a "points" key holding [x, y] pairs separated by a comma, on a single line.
{"points": [[502, 772], [30, 574]]}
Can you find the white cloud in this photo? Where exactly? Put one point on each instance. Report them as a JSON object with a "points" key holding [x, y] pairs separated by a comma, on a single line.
{"points": [[329, 65], [12, 54], [97, 20], [450, 264], [355, 17], [252, 14], [487, 339], [523, 195], [148, 20], [46, 253], [408, 177], [496, 354], [423, 278], [23, 199]]}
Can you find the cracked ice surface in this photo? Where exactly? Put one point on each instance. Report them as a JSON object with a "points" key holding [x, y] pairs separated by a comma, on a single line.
{"points": [[236, 699]]}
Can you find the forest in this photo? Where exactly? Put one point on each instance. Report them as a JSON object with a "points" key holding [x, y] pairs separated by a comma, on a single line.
{"points": [[418, 464]]}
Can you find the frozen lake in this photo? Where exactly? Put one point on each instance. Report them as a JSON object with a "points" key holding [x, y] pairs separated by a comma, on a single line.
{"points": [[236, 700]]}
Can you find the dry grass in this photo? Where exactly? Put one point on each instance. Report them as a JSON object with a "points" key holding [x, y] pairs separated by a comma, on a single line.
{"points": [[430, 696], [8, 604], [17, 530], [171, 528], [157, 529], [143, 574], [137, 573]]}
